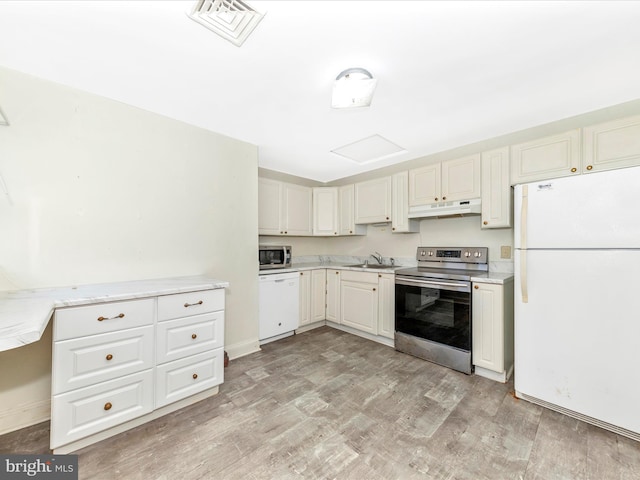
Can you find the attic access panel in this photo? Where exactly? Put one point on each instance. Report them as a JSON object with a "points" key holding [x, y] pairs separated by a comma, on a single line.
{"points": [[233, 20]]}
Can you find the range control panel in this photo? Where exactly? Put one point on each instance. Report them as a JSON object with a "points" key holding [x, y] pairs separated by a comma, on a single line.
{"points": [[454, 254]]}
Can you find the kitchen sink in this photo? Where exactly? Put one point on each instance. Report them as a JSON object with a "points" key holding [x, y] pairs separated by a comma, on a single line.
{"points": [[370, 265]]}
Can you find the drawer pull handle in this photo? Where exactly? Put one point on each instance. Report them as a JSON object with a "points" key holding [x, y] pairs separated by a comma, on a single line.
{"points": [[107, 406], [194, 336], [187, 305], [110, 318], [195, 375], [109, 357]]}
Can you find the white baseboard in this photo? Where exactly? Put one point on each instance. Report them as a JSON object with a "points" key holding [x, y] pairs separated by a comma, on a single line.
{"points": [[376, 338], [311, 326], [24, 415], [501, 377], [241, 349]]}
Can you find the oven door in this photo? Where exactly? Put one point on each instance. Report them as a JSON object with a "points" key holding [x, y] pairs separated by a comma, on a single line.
{"points": [[434, 310]]}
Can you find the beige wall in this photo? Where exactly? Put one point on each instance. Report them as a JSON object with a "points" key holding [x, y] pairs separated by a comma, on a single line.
{"points": [[101, 191]]}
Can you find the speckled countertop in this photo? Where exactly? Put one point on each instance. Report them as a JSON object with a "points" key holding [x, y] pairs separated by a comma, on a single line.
{"points": [[24, 314]]}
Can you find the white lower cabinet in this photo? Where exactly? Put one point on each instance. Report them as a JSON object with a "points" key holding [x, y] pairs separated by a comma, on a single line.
{"points": [[118, 361], [332, 311], [386, 304], [312, 296], [492, 333], [359, 301]]}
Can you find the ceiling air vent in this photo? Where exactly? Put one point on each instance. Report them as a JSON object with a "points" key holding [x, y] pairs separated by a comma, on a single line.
{"points": [[231, 19]]}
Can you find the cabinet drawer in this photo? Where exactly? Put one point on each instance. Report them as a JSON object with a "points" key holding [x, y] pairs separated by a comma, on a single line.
{"points": [[74, 322], [89, 360], [89, 410], [187, 336], [191, 303], [364, 277], [188, 376]]}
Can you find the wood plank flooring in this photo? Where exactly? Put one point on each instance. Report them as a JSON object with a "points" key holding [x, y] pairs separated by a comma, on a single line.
{"points": [[329, 405]]}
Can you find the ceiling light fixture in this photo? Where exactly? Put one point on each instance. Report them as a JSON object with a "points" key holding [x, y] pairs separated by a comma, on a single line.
{"points": [[353, 87]]}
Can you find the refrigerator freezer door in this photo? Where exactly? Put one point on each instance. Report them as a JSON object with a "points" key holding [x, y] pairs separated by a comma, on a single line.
{"points": [[598, 210], [576, 340]]}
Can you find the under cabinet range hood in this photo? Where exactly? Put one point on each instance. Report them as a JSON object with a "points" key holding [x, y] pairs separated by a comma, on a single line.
{"points": [[446, 209]]}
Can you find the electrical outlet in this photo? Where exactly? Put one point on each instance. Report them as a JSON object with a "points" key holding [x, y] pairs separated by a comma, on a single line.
{"points": [[505, 251]]}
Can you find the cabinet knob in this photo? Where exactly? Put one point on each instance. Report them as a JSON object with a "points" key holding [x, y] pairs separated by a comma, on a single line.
{"points": [[476, 287], [335, 233], [301, 273], [379, 276], [279, 324], [109, 357], [574, 170], [387, 218], [374, 289], [337, 273], [444, 198], [107, 406], [195, 375], [194, 336], [485, 223], [589, 167], [350, 231], [281, 233], [285, 232], [393, 228], [436, 199]]}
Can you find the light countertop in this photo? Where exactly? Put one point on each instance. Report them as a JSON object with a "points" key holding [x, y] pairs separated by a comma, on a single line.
{"points": [[24, 314], [485, 277]]}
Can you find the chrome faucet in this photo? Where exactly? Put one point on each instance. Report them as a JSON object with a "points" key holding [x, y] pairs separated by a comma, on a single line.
{"points": [[377, 256]]}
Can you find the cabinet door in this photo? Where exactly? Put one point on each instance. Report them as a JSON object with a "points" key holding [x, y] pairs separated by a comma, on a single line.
{"points": [[359, 305], [347, 212], [332, 311], [269, 207], [549, 157], [373, 201], [297, 213], [318, 294], [386, 304], [488, 326], [400, 222], [611, 145], [325, 211], [461, 179], [424, 185], [305, 298], [496, 191]]}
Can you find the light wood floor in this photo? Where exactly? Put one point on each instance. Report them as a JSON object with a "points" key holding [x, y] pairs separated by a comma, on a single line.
{"points": [[326, 404]]}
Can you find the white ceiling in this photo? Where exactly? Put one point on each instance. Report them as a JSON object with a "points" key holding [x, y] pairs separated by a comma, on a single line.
{"points": [[449, 73]]}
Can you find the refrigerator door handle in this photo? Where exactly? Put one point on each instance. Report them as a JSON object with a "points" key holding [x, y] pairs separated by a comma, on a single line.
{"points": [[523, 244]]}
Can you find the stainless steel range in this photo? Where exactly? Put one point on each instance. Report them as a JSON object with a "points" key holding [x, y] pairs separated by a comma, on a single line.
{"points": [[433, 304]]}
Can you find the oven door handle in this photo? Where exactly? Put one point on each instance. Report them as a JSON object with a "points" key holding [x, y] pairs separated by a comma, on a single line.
{"points": [[458, 287]]}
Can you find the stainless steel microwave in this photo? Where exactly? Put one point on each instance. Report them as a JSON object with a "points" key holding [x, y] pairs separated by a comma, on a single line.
{"points": [[274, 256]]}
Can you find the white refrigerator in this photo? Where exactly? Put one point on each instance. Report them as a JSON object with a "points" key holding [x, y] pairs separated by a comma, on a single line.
{"points": [[577, 298]]}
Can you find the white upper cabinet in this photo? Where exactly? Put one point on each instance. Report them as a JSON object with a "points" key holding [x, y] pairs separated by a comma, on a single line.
{"points": [[424, 185], [548, 157], [284, 208], [461, 179], [269, 207], [400, 222], [448, 181], [611, 145], [496, 190], [296, 209], [373, 201], [347, 212], [325, 211]]}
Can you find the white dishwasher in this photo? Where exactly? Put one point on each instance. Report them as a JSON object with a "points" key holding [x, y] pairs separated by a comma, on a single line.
{"points": [[279, 305]]}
